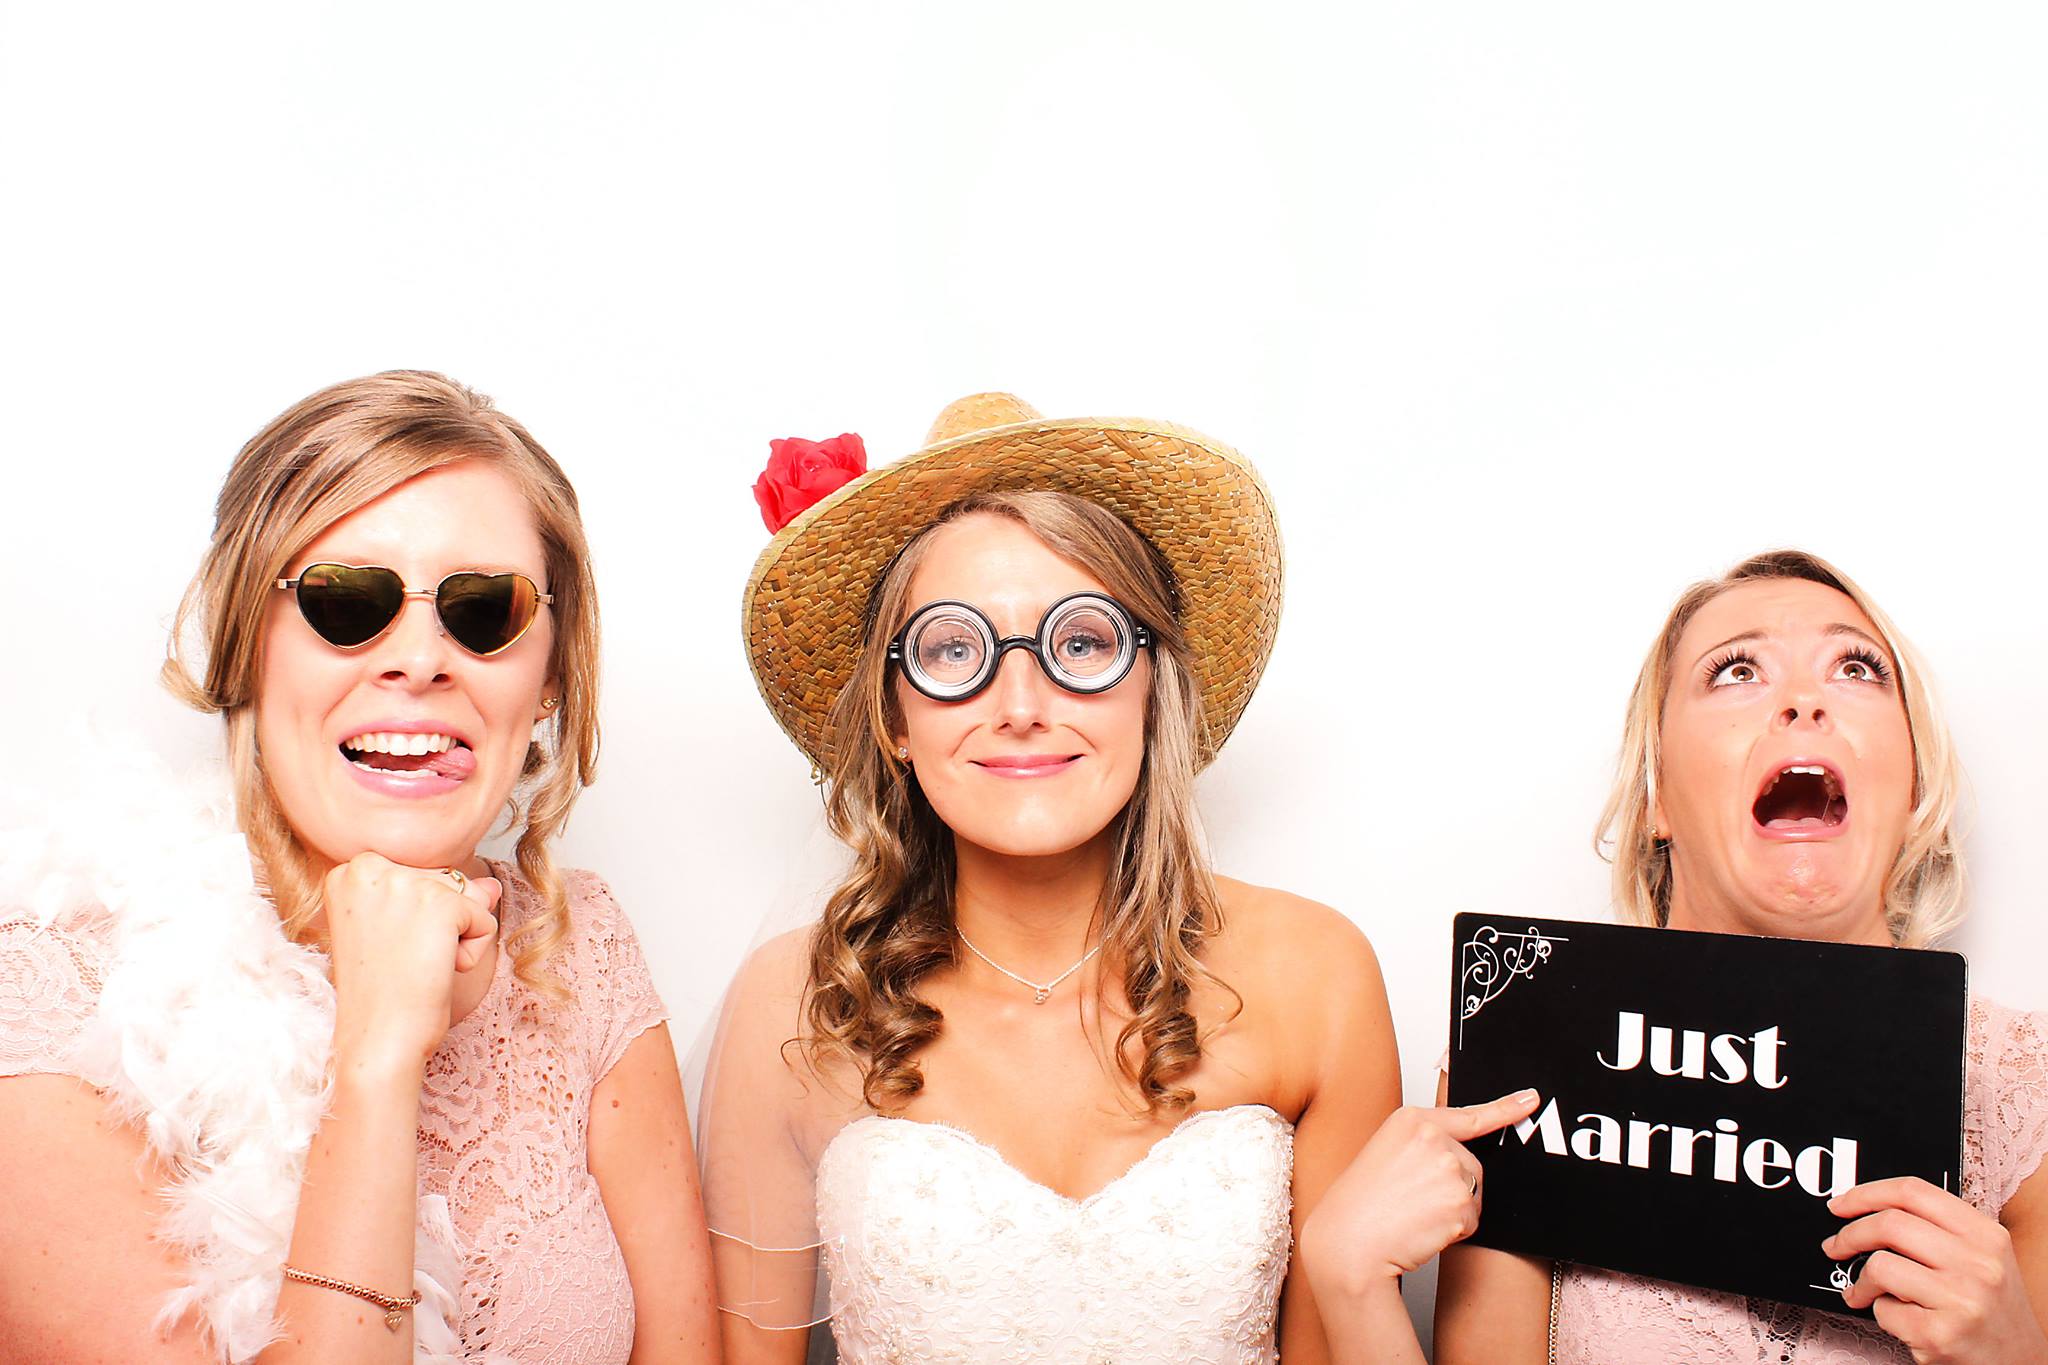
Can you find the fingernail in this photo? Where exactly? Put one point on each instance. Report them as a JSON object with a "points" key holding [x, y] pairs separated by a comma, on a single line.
{"points": [[1526, 1096]]}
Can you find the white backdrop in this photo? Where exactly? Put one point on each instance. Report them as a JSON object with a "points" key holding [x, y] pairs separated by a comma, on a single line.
{"points": [[1529, 314]]}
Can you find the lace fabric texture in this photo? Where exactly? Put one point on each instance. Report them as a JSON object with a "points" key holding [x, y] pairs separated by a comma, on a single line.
{"points": [[938, 1250], [1606, 1317], [504, 1116], [49, 983]]}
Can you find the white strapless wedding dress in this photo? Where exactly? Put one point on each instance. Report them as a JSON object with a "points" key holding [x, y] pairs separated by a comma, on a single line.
{"points": [[940, 1252]]}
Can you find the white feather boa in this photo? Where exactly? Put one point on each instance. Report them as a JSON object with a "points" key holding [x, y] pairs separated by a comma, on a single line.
{"points": [[213, 1034]]}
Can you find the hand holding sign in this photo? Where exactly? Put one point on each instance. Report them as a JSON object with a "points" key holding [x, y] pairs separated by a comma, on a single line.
{"points": [[1409, 1193], [1941, 1276]]}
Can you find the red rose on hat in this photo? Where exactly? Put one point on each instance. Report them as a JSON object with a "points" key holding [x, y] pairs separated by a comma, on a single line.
{"points": [[801, 472]]}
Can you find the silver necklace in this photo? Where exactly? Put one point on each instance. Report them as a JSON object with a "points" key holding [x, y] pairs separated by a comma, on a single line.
{"points": [[1043, 990]]}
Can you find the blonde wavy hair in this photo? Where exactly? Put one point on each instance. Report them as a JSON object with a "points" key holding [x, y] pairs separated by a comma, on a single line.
{"points": [[890, 921], [1923, 895], [320, 460]]}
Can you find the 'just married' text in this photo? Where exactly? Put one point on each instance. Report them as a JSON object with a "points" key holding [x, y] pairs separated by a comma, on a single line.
{"points": [[1719, 1149]]}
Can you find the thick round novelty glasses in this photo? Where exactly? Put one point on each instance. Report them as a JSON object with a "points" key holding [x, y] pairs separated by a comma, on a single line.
{"points": [[350, 605], [1086, 643]]}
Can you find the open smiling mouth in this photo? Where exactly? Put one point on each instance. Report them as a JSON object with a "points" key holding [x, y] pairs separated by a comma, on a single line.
{"points": [[402, 755], [1801, 798]]}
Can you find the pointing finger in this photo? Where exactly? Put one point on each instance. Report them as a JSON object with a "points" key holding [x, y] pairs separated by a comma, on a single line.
{"points": [[1477, 1120]]}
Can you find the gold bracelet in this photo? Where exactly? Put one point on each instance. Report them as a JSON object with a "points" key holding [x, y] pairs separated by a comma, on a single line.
{"points": [[394, 1309]]}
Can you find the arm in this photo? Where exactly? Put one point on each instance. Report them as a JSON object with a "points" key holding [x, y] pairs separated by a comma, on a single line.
{"points": [[640, 1154], [760, 1199], [83, 1276], [1355, 1083], [2025, 1217], [1492, 1307], [746, 1344], [357, 1204], [1414, 1190]]}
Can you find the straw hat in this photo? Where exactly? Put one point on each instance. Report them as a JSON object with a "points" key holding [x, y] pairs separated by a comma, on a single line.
{"points": [[1196, 499]]}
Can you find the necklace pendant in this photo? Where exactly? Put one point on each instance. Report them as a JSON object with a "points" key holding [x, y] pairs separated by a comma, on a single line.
{"points": [[1040, 998]]}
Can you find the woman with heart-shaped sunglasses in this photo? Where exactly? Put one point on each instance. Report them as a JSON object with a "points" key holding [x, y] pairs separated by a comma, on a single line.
{"points": [[353, 1091]]}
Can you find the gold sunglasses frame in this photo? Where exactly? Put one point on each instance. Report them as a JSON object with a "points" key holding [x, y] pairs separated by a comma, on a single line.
{"points": [[433, 594]]}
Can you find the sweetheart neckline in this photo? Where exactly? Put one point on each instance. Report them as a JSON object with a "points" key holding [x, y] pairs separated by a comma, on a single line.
{"points": [[1069, 1201]]}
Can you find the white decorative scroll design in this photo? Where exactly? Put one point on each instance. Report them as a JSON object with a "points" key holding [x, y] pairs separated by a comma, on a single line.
{"points": [[1490, 960], [1842, 1276], [1845, 1272]]}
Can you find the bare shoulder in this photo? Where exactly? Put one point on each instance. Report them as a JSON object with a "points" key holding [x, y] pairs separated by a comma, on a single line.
{"points": [[763, 1008], [1314, 1002], [777, 969], [1289, 941]]}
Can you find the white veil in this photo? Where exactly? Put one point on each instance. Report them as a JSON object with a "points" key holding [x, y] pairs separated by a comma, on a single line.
{"points": [[764, 1117]]}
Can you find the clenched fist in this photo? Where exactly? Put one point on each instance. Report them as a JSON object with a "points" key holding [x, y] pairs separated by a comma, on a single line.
{"points": [[399, 936]]}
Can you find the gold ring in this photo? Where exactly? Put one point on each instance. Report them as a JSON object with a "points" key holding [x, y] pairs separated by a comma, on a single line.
{"points": [[461, 879]]}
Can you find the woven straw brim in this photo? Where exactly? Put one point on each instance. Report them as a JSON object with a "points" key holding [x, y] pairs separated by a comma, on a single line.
{"points": [[1196, 499]]}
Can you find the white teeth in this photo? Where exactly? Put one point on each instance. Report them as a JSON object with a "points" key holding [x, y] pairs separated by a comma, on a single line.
{"points": [[391, 742], [1811, 771]]}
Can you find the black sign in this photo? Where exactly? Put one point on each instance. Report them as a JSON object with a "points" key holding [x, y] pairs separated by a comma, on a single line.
{"points": [[1702, 1095]]}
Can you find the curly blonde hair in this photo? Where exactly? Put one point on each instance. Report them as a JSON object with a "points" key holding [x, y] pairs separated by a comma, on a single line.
{"points": [[890, 921], [320, 460], [1923, 895]]}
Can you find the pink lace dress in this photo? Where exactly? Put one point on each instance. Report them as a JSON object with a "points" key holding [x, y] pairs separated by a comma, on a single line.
{"points": [[1605, 1318], [504, 1116]]}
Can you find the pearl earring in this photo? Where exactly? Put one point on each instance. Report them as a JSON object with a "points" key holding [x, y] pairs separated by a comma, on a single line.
{"points": [[903, 753]]}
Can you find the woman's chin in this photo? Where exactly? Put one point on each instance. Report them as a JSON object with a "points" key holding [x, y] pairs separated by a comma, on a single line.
{"points": [[1807, 902], [406, 844], [1029, 840]]}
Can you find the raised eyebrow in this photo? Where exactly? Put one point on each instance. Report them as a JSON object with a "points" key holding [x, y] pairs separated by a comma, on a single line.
{"points": [[1844, 628], [1743, 638]]}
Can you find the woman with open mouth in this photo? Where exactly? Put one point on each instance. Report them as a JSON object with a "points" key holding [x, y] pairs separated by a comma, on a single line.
{"points": [[318, 1082], [1784, 771], [1038, 1085]]}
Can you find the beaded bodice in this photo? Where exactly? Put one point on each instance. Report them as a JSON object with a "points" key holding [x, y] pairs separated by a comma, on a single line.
{"points": [[938, 1250]]}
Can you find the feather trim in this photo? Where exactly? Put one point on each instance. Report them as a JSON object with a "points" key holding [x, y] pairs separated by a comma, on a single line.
{"points": [[213, 1034]]}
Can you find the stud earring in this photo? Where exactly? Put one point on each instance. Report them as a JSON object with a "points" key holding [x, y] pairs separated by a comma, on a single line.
{"points": [[903, 753], [550, 703]]}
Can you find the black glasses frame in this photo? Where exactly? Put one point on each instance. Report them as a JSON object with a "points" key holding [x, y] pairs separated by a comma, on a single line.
{"points": [[306, 608], [1134, 635]]}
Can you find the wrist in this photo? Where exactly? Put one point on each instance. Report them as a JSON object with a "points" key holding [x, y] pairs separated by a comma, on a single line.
{"points": [[1354, 1274], [369, 1063]]}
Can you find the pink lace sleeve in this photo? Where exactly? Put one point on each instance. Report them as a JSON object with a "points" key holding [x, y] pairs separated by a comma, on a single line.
{"points": [[620, 1002], [2005, 1130], [49, 987]]}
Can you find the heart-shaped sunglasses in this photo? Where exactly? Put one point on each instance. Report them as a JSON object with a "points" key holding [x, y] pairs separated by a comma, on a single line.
{"points": [[349, 605]]}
